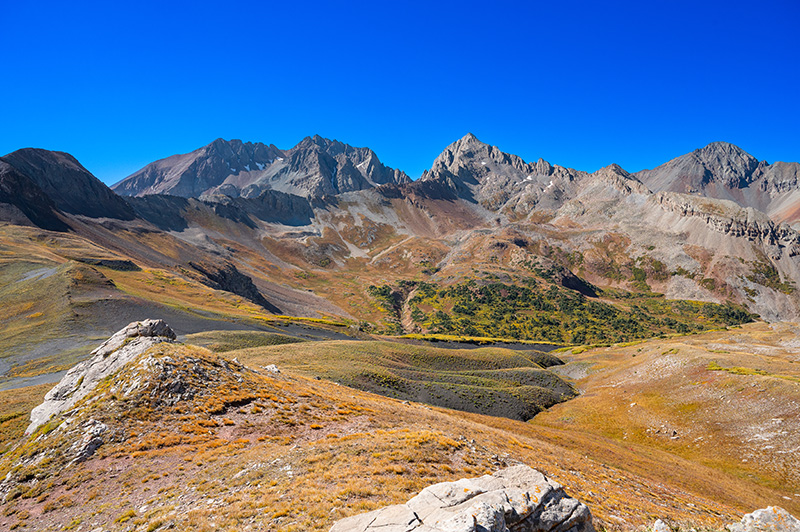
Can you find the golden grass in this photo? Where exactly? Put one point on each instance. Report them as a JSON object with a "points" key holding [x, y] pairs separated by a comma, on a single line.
{"points": [[672, 396], [313, 452]]}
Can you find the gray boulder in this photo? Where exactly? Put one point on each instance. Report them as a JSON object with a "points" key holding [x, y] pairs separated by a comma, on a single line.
{"points": [[661, 526], [518, 499], [770, 519], [110, 357]]}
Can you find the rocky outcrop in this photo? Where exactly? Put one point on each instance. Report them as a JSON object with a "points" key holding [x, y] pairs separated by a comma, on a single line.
{"points": [[729, 218], [771, 519], [110, 357], [518, 499], [68, 184]]}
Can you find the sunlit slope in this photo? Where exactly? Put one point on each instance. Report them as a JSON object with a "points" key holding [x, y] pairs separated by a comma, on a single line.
{"points": [[270, 451], [728, 400]]}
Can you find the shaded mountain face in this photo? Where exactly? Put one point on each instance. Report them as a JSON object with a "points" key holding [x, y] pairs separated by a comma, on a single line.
{"points": [[313, 168], [70, 186], [22, 201]]}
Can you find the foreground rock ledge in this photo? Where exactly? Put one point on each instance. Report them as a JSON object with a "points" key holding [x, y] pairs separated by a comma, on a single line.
{"points": [[771, 519], [107, 359], [516, 499]]}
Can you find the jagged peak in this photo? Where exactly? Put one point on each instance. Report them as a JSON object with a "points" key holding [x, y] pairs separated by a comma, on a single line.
{"points": [[721, 149], [614, 168], [468, 140], [221, 143], [323, 143]]}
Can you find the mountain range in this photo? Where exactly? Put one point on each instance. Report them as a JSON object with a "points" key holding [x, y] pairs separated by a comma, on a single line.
{"points": [[713, 225], [336, 336], [315, 167]]}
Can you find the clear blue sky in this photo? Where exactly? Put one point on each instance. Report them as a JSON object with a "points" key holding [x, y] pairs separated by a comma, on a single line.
{"points": [[581, 84]]}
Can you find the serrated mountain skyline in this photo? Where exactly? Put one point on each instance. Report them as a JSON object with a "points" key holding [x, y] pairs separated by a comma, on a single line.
{"points": [[315, 167], [717, 215]]}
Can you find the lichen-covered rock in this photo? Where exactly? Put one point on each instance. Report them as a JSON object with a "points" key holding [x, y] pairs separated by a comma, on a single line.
{"points": [[107, 359], [770, 519], [517, 498]]}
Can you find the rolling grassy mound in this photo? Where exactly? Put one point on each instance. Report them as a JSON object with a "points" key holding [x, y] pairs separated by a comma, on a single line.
{"points": [[493, 381]]}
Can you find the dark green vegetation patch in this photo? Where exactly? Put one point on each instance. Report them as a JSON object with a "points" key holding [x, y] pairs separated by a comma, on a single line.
{"points": [[547, 312]]}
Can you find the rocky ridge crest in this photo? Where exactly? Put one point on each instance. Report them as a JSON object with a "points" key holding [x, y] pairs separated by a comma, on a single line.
{"points": [[315, 167], [110, 357]]}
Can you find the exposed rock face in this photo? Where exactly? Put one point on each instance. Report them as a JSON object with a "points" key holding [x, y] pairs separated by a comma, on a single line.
{"points": [[771, 519], [191, 174], [518, 499], [315, 167], [69, 185], [270, 206], [729, 218], [111, 356], [481, 173], [165, 212], [718, 164], [484, 174]]}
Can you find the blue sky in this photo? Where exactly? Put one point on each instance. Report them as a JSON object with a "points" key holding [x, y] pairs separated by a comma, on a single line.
{"points": [[581, 84]]}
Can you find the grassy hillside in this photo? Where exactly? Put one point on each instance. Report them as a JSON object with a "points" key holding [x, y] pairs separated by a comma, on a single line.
{"points": [[727, 400], [492, 381], [288, 453]]}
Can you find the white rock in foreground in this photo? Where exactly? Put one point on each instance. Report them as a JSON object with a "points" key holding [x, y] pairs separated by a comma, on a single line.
{"points": [[518, 498], [770, 519], [110, 357]]}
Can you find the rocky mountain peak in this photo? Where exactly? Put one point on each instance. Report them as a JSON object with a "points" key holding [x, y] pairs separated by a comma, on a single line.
{"points": [[728, 160], [315, 167], [717, 165]]}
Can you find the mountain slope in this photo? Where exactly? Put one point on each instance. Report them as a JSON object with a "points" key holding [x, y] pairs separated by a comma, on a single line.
{"points": [[191, 174], [69, 185], [313, 168]]}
